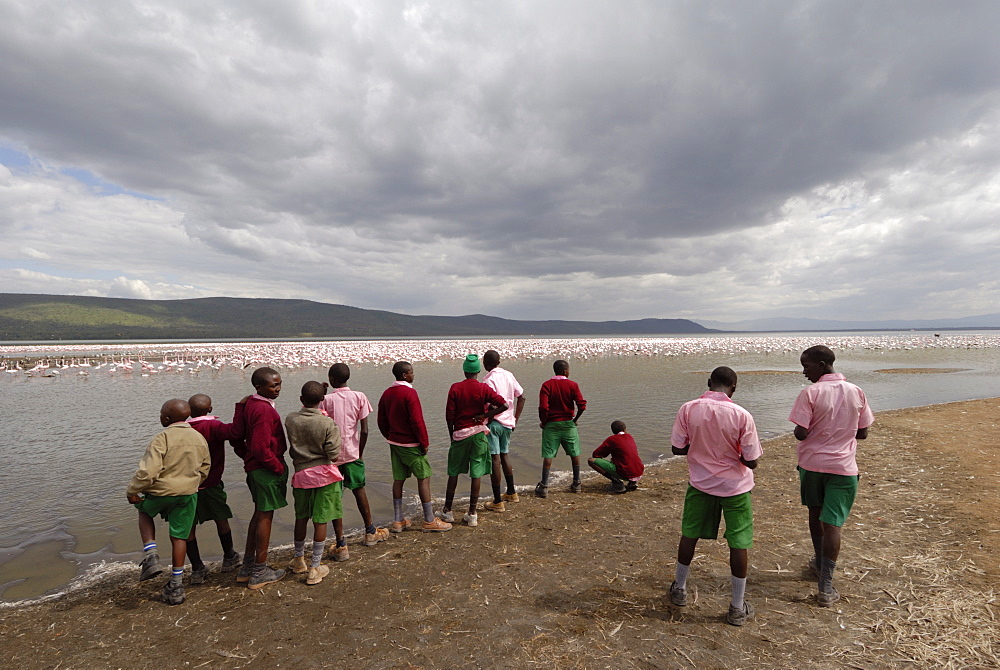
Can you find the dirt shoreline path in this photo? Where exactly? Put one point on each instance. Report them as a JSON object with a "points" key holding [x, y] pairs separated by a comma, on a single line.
{"points": [[579, 580]]}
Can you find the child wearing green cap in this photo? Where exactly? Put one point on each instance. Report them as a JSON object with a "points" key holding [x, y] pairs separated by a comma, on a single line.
{"points": [[470, 406]]}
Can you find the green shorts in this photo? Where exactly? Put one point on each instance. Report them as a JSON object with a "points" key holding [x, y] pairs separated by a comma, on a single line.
{"points": [[354, 474], [560, 433], [212, 505], [608, 467], [267, 489], [499, 438], [703, 511], [322, 505], [471, 455], [408, 461], [178, 511], [834, 493]]}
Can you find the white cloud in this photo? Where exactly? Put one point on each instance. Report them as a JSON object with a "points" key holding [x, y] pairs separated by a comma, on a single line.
{"points": [[542, 160]]}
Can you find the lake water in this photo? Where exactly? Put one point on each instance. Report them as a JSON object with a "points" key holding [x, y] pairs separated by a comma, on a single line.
{"points": [[73, 441]]}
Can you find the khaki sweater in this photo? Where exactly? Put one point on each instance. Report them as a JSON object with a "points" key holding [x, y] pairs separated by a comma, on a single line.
{"points": [[313, 438], [176, 462]]}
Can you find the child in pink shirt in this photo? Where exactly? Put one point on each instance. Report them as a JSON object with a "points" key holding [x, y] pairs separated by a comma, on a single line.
{"points": [[830, 417], [720, 441]]}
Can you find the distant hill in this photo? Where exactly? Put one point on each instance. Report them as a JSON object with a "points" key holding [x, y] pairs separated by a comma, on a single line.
{"points": [[787, 324], [63, 317]]}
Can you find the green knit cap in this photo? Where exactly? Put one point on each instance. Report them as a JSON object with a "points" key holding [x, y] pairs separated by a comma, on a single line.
{"points": [[471, 364]]}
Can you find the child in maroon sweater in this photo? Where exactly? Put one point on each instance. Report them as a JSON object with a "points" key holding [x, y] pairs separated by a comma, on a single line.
{"points": [[624, 463], [263, 454], [212, 505]]}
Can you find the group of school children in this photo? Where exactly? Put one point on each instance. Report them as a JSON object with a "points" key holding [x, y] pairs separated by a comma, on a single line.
{"points": [[180, 475]]}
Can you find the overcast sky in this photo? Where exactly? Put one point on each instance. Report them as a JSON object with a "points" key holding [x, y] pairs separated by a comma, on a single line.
{"points": [[576, 160]]}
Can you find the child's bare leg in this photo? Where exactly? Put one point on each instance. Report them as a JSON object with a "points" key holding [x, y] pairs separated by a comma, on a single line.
{"points": [[816, 533], [319, 530], [449, 496], [361, 498], [147, 529], [831, 542], [178, 546], [495, 477], [225, 532], [338, 531], [685, 554], [263, 535], [301, 525], [424, 490], [474, 495], [595, 468], [251, 549], [546, 468]]}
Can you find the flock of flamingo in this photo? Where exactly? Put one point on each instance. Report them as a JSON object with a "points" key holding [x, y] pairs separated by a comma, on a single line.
{"points": [[151, 359]]}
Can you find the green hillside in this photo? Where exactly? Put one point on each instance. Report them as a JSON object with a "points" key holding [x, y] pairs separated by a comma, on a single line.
{"points": [[55, 317]]}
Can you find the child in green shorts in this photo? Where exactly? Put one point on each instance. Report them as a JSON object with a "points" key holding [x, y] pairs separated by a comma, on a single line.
{"points": [[176, 462], [314, 442], [470, 407]]}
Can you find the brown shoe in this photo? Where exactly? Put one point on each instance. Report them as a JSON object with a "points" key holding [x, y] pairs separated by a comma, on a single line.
{"points": [[317, 574], [339, 554], [435, 526], [298, 565], [495, 507], [510, 497], [399, 526], [380, 535]]}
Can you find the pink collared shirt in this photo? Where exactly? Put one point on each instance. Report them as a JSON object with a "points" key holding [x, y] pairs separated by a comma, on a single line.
{"points": [[832, 410], [347, 408], [718, 431], [506, 386]]}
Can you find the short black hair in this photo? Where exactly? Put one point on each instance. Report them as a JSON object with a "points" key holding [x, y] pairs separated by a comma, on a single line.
{"points": [[312, 393], [339, 373], [400, 368], [820, 354], [261, 375], [560, 367], [723, 376], [617, 426], [491, 359]]}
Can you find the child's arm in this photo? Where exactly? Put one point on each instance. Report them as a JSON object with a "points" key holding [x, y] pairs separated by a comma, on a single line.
{"points": [[581, 404], [150, 467], [362, 436], [417, 423], [260, 432], [332, 443]]}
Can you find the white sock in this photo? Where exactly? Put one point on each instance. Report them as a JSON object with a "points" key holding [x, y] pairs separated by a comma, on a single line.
{"points": [[739, 590], [681, 575]]}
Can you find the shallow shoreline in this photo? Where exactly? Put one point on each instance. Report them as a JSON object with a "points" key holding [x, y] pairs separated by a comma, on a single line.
{"points": [[579, 580]]}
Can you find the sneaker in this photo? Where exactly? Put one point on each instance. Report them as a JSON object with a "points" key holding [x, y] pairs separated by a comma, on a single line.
{"points": [[243, 576], [173, 593], [150, 567], [198, 575], [230, 563], [738, 616], [471, 520], [371, 539], [632, 486], [447, 517], [495, 507], [317, 574], [435, 526], [510, 497], [298, 565], [339, 554], [541, 491], [268, 576], [618, 486], [825, 599], [575, 487], [678, 596], [399, 526]]}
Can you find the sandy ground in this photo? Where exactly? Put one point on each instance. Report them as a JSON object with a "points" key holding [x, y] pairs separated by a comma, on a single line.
{"points": [[579, 580]]}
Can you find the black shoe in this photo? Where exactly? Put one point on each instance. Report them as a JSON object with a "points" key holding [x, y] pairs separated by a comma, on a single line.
{"points": [[575, 487], [541, 491], [631, 486], [150, 567], [173, 593], [618, 486]]}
